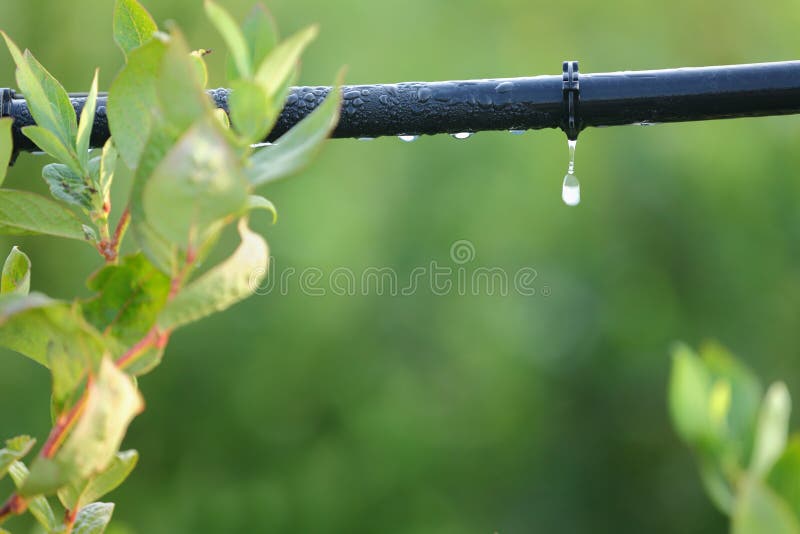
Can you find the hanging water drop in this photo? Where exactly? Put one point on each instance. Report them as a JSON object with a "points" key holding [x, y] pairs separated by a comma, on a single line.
{"points": [[408, 138], [461, 135], [571, 188]]}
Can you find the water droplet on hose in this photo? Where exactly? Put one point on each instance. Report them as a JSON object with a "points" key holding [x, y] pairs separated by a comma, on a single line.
{"points": [[461, 135], [408, 138], [571, 188]]}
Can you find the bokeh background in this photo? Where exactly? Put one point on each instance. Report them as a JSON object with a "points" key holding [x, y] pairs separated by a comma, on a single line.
{"points": [[474, 413]]}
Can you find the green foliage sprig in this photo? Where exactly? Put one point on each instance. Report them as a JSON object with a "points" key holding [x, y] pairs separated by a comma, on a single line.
{"points": [[195, 173], [748, 464]]}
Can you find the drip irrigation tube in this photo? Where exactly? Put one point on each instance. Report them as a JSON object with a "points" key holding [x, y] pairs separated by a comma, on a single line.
{"points": [[570, 101]]}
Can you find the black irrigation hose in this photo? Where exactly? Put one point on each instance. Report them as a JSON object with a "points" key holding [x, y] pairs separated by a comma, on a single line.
{"points": [[608, 99]]}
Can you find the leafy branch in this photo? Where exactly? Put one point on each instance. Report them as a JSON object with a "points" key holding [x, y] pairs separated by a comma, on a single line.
{"points": [[196, 172]]}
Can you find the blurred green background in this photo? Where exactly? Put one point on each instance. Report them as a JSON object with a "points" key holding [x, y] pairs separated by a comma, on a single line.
{"points": [[474, 413]]}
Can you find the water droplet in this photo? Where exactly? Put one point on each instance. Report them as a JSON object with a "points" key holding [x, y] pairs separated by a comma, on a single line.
{"points": [[571, 188], [516, 132], [408, 138], [504, 87], [462, 135], [366, 138]]}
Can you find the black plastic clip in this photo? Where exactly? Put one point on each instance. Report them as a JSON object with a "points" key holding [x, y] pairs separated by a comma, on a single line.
{"points": [[571, 87], [6, 98]]}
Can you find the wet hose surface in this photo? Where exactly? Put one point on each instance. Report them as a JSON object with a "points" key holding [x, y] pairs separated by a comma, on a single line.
{"points": [[605, 99]]}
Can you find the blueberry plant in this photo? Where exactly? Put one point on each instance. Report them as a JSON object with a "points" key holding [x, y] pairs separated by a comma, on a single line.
{"points": [[749, 465], [196, 171]]}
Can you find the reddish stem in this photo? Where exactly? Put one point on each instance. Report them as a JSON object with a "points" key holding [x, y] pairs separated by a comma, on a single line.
{"points": [[64, 424]]}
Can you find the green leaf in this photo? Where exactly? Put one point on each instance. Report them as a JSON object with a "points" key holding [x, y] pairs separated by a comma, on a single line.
{"points": [[50, 143], [133, 25], [133, 101], [251, 111], [255, 202], [279, 65], [297, 147], [197, 184], [6, 146], [70, 187], [15, 449], [223, 286], [759, 510], [158, 250], [129, 297], [54, 334], [38, 506], [78, 494], [716, 485], [689, 388], [108, 166], [745, 399], [93, 519], [86, 123], [47, 100], [772, 430], [784, 477], [197, 58], [180, 92], [233, 37], [260, 32], [16, 276], [24, 213], [112, 402]]}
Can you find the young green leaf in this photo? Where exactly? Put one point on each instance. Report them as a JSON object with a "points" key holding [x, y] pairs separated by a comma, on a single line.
{"points": [[260, 32], [759, 509], [133, 101], [70, 187], [133, 25], [78, 494], [6, 146], [251, 111], [297, 147], [16, 276], [784, 477], [50, 143], [112, 402], [86, 123], [261, 35], [24, 213], [197, 184], [182, 98], [197, 58], [255, 202], [15, 449], [232, 34], [281, 62], [108, 166], [93, 519], [128, 298], [38, 506], [772, 429], [48, 101], [689, 387], [223, 286]]}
